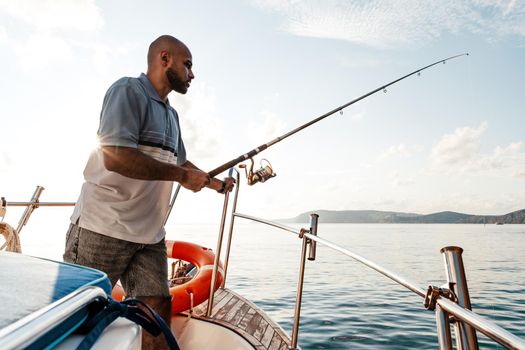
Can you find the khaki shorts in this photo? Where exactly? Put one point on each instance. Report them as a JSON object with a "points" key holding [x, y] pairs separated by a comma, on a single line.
{"points": [[141, 268]]}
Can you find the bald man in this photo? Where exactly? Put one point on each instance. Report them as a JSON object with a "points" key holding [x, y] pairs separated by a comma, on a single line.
{"points": [[118, 222]]}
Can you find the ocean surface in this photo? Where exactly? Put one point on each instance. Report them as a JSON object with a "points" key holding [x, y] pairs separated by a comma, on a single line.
{"points": [[349, 306]]}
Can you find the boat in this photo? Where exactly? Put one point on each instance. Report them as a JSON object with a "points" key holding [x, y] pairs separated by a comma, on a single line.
{"points": [[227, 319]]}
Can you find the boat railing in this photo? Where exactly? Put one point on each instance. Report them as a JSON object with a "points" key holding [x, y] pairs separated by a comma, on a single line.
{"points": [[23, 332], [450, 302]]}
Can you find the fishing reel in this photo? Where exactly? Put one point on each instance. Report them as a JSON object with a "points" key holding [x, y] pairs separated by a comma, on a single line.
{"points": [[261, 175]]}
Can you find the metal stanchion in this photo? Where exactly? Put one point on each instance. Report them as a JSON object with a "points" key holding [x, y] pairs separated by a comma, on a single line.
{"points": [[299, 297], [443, 329], [314, 220], [232, 219], [466, 338], [30, 208], [217, 255]]}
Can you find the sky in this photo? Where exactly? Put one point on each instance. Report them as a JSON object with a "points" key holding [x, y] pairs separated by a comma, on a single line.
{"points": [[450, 139]]}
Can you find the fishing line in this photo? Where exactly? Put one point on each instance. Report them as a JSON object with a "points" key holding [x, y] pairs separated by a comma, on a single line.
{"points": [[257, 150]]}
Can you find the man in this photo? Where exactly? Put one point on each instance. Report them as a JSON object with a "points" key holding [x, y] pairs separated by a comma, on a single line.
{"points": [[118, 221]]}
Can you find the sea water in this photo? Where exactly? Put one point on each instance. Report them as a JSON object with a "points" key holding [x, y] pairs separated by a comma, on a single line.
{"points": [[349, 306]]}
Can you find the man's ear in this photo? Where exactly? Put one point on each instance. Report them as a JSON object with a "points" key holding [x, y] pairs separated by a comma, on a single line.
{"points": [[164, 57]]}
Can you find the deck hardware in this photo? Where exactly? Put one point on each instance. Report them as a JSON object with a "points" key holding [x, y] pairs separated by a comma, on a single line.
{"points": [[302, 232], [314, 219], [433, 293]]}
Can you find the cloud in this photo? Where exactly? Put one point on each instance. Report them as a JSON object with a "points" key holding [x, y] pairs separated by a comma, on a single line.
{"points": [[379, 23], [102, 54], [47, 47], [200, 124], [5, 161], [3, 35], [49, 29], [519, 174], [400, 150], [357, 117], [266, 127], [78, 15], [461, 151], [271, 127], [399, 180], [457, 148]]}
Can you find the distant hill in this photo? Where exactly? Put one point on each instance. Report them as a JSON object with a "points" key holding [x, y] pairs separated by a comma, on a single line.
{"points": [[383, 217]]}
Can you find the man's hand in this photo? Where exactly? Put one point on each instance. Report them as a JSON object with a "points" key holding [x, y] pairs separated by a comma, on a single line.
{"points": [[195, 179], [222, 186]]}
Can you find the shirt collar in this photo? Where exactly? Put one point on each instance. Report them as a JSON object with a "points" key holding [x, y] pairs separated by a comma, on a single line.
{"points": [[150, 89]]}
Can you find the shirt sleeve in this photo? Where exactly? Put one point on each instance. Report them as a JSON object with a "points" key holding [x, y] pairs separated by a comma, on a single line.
{"points": [[122, 112]]}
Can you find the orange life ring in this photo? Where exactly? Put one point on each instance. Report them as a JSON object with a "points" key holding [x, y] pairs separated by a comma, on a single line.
{"points": [[203, 258]]}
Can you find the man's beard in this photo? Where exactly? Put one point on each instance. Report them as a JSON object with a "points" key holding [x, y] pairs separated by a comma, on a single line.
{"points": [[176, 83]]}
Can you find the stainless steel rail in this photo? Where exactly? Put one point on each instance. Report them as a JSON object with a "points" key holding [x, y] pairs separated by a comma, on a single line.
{"points": [[232, 220], [41, 204], [22, 333], [393, 276], [270, 223], [485, 326]]}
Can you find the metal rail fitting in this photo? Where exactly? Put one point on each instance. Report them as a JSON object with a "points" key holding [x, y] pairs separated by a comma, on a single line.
{"points": [[443, 319]]}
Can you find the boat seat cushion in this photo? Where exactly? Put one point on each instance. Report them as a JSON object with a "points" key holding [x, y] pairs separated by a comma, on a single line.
{"points": [[28, 284]]}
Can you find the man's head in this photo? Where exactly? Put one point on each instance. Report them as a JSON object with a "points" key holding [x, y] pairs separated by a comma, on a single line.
{"points": [[169, 64]]}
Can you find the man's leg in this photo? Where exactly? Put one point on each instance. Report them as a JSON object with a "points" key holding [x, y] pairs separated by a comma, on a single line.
{"points": [[147, 279], [107, 254]]}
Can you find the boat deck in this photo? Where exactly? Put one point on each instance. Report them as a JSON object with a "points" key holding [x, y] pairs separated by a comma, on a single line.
{"points": [[246, 319]]}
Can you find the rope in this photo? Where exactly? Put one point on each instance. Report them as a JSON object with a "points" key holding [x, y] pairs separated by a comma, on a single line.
{"points": [[129, 309], [12, 240]]}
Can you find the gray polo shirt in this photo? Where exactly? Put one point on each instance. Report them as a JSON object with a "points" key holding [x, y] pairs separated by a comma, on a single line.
{"points": [[133, 115]]}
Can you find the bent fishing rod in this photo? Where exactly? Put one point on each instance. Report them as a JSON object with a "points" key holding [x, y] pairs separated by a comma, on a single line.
{"points": [[266, 172]]}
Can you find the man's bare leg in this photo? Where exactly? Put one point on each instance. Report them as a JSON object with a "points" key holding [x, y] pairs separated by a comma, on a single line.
{"points": [[162, 306]]}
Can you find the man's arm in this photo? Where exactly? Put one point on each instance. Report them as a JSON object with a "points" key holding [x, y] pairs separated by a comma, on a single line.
{"points": [[130, 162]]}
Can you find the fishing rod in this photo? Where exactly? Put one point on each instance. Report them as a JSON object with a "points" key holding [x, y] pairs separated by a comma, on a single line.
{"points": [[266, 172]]}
